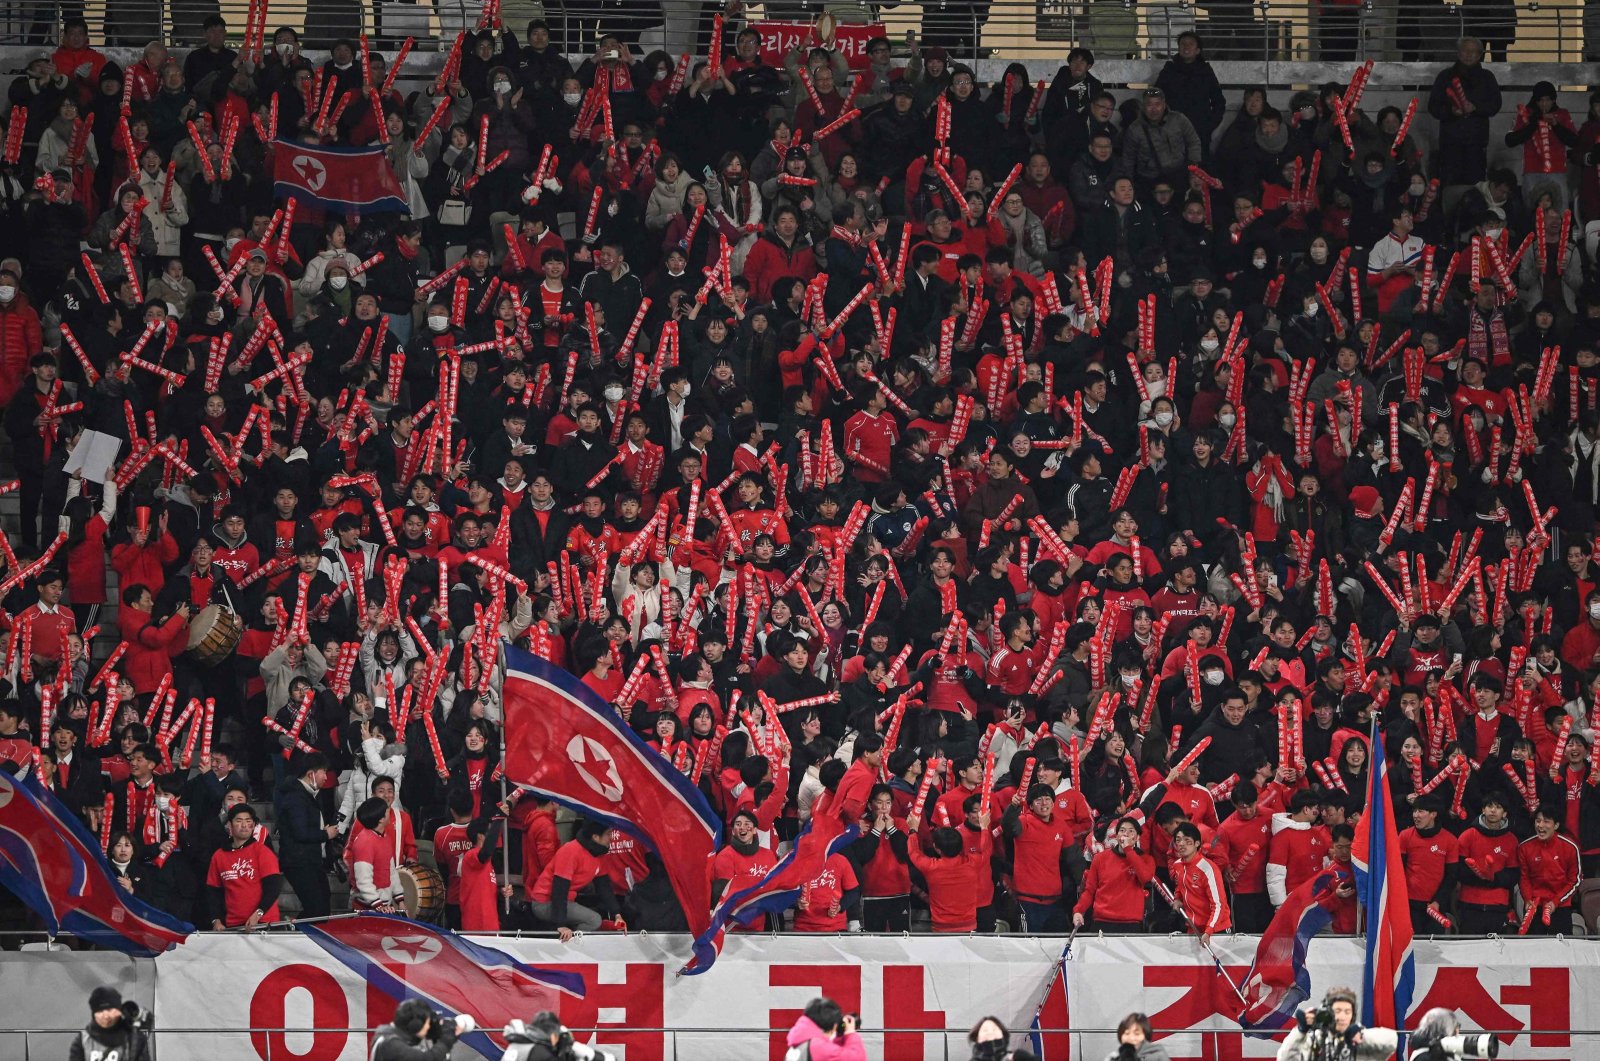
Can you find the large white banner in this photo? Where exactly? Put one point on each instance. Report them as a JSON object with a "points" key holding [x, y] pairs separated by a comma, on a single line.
{"points": [[1535, 989], [926, 982], [1543, 992]]}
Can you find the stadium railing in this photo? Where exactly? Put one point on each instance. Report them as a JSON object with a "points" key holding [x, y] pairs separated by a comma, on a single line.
{"points": [[679, 1044], [1249, 30]]}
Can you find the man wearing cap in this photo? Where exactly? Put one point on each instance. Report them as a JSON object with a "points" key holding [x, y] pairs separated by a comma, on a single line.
{"points": [[263, 291], [243, 879], [1160, 143], [891, 136], [110, 1036]]}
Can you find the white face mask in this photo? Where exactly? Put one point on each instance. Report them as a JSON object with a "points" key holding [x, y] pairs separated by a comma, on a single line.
{"points": [[1227, 419], [1311, 309], [686, 388], [1418, 189], [1211, 677], [1129, 679], [1319, 254], [1594, 610], [1259, 263], [285, 50], [614, 394], [661, 73], [338, 283], [1208, 345], [229, 245], [7, 292], [501, 88], [1162, 418], [438, 325], [572, 99]]}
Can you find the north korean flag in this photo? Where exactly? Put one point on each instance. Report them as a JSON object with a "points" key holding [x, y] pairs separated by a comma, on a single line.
{"points": [[406, 959], [567, 744], [345, 180], [824, 835], [50, 862], [1390, 974], [1278, 980]]}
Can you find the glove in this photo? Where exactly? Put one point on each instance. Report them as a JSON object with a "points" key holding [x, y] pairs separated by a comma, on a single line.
{"points": [[1302, 1020], [465, 1024], [1352, 1033]]}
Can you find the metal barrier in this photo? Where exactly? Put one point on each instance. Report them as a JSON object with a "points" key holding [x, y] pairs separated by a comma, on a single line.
{"points": [[43, 1044], [1249, 30]]}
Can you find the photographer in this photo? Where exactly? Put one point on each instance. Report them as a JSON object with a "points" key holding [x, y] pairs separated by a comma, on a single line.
{"points": [[545, 1038], [417, 1033], [825, 1033], [113, 1033], [1438, 1038], [1133, 1037], [1329, 1032]]}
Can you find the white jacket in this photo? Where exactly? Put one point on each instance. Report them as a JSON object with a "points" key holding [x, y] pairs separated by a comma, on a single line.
{"points": [[357, 782], [1375, 1045]]}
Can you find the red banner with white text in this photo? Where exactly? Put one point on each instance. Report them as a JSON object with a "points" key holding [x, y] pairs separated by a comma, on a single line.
{"points": [[778, 38]]}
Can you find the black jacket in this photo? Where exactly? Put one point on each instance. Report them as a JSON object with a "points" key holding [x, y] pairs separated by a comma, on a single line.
{"points": [[300, 837], [391, 1044], [121, 1041]]}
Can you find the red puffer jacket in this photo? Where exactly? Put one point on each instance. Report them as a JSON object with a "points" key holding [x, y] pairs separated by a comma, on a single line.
{"points": [[20, 339]]}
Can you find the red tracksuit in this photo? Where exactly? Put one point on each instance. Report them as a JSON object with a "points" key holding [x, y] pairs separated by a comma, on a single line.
{"points": [[1550, 870], [1198, 885], [952, 888], [1013, 671], [871, 438], [1114, 887]]}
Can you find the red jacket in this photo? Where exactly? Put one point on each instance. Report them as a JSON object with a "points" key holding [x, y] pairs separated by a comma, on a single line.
{"points": [[1198, 885], [850, 799], [20, 338], [1485, 856], [1549, 869], [86, 564], [1113, 889], [1231, 846], [145, 566], [151, 648], [769, 261], [1298, 849], [952, 888]]}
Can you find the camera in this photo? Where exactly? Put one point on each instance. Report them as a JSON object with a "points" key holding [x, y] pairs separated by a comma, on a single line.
{"points": [[1439, 1038], [1481, 1044], [145, 1020]]}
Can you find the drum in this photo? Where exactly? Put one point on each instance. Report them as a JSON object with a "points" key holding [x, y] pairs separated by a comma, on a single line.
{"points": [[424, 891], [213, 634]]}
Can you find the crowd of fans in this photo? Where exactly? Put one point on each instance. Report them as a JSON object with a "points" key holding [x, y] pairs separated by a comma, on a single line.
{"points": [[974, 444]]}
